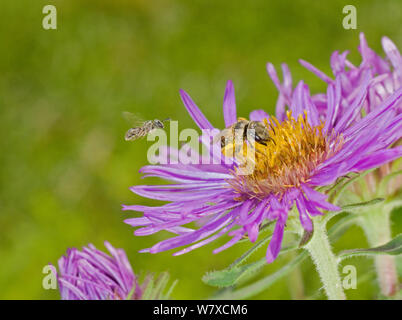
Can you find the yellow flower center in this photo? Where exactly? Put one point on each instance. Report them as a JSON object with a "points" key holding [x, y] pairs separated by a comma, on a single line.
{"points": [[288, 159]]}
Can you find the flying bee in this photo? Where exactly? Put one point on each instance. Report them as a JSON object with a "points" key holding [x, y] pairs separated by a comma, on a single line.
{"points": [[141, 128], [244, 130]]}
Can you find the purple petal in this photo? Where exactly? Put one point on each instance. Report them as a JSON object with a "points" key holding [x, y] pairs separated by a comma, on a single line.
{"points": [[136, 222], [194, 111], [171, 195], [333, 100], [370, 58], [317, 72], [230, 243], [313, 116], [245, 209], [304, 217], [378, 158], [318, 199], [312, 209], [276, 210], [258, 115], [386, 105], [204, 242], [229, 105], [275, 244], [393, 55], [189, 173], [313, 194], [285, 90], [280, 111], [205, 231], [252, 232], [338, 62], [273, 75], [323, 177], [297, 102], [356, 106], [287, 78], [258, 212]]}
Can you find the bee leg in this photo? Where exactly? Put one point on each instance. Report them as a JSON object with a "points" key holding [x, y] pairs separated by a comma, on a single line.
{"points": [[256, 150]]}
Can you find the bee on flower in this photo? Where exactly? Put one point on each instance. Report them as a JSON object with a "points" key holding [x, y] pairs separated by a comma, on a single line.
{"points": [[307, 149]]}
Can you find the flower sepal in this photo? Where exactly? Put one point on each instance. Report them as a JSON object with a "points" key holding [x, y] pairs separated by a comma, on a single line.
{"points": [[154, 289], [306, 237]]}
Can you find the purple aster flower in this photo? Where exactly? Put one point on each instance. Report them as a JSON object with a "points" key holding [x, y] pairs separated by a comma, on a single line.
{"points": [[308, 149], [91, 274], [386, 74], [386, 77]]}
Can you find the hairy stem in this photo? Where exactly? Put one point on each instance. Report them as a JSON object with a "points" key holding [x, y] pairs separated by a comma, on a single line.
{"points": [[325, 261]]}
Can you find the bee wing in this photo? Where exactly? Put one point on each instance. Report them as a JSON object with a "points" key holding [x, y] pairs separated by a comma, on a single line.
{"points": [[133, 119], [226, 133]]}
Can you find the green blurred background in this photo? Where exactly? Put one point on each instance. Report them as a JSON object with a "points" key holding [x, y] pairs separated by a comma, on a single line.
{"points": [[65, 169]]}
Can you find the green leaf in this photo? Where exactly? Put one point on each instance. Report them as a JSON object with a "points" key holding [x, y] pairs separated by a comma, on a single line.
{"points": [[394, 247], [263, 284], [224, 278], [234, 273], [249, 252], [354, 206]]}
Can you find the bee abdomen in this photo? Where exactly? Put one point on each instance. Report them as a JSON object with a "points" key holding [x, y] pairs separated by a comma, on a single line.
{"points": [[134, 133]]}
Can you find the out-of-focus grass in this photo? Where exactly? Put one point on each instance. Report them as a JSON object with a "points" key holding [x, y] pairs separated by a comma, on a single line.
{"points": [[64, 167]]}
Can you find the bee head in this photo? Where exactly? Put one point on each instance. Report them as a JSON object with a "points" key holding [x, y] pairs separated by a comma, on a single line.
{"points": [[261, 133]]}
